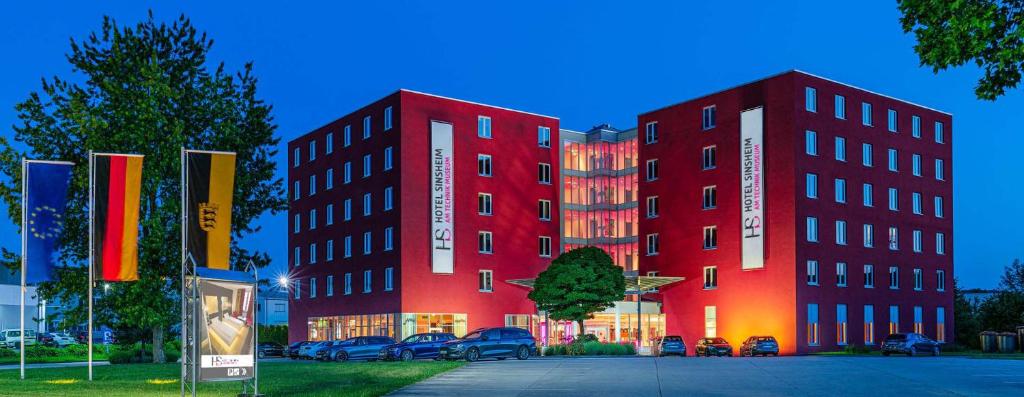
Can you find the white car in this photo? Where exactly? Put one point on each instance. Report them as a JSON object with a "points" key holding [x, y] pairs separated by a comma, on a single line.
{"points": [[11, 338], [60, 339]]}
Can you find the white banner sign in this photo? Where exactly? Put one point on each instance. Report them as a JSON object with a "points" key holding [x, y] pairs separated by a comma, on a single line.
{"points": [[442, 198], [752, 186]]}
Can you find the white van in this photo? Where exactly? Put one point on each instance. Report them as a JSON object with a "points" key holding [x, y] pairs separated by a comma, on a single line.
{"points": [[11, 338]]}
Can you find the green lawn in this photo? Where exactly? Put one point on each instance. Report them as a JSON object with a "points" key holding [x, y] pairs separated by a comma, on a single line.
{"points": [[276, 379]]}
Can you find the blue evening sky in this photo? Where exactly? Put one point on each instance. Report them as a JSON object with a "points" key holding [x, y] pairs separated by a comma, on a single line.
{"points": [[585, 62]]}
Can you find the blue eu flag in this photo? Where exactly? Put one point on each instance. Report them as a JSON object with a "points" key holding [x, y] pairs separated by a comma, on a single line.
{"points": [[46, 197]]}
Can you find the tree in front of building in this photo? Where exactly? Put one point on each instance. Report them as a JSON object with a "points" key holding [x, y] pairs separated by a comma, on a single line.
{"points": [[578, 284]]}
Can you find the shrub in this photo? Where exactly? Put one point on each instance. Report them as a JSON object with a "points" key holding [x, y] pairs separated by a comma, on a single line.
{"points": [[854, 349], [35, 351], [4, 352], [121, 356], [172, 356]]}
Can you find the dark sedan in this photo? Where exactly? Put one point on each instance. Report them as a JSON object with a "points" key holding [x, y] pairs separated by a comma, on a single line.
{"points": [[269, 349], [910, 344], [708, 347], [759, 346], [416, 346], [672, 344], [358, 348], [292, 351], [500, 343]]}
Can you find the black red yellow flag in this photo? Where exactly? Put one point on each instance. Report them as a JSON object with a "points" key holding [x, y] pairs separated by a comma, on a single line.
{"points": [[210, 183], [117, 181]]}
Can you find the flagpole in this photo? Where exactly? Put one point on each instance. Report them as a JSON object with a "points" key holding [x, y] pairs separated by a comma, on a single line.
{"points": [[24, 250], [91, 255]]}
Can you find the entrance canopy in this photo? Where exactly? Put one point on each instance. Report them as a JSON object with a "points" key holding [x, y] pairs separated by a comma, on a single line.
{"points": [[635, 283]]}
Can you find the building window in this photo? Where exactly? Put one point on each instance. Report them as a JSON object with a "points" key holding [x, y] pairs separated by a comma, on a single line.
{"points": [[389, 238], [652, 169], [916, 202], [708, 118], [483, 204], [812, 186], [296, 223], [708, 160], [367, 204], [940, 280], [543, 136], [389, 201], [483, 165], [917, 240], [811, 142], [387, 118], [389, 278], [483, 127], [348, 209], [348, 172], [651, 132], [812, 229], [652, 207], [312, 219], [810, 99], [915, 126], [329, 179], [329, 143], [348, 246], [868, 193], [940, 324], [840, 107], [296, 286], [330, 285], [297, 256], [894, 204], [330, 215], [484, 243], [366, 165], [869, 276], [544, 243], [312, 287], [544, 173], [865, 114], [840, 148], [366, 127], [866, 155], [894, 238], [388, 162], [367, 281], [710, 277], [892, 121], [486, 281], [869, 236], [347, 138], [840, 274], [296, 157], [652, 244], [894, 277], [915, 164], [296, 190], [841, 232], [312, 150], [918, 321], [812, 272], [893, 165], [710, 199], [710, 237], [940, 243], [869, 324], [710, 321], [840, 188], [348, 283], [939, 138], [367, 243], [812, 324], [940, 174], [918, 280], [312, 185], [544, 210], [330, 250], [841, 329]]}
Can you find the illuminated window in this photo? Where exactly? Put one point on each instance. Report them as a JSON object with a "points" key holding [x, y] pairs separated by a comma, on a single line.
{"points": [[865, 113], [651, 132], [389, 278], [869, 324], [544, 173], [652, 207], [652, 169], [869, 236], [915, 126], [708, 158], [812, 186], [812, 272], [366, 127], [840, 148], [483, 165], [708, 118], [710, 237], [866, 155], [841, 232], [484, 245], [483, 127], [918, 320], [652, 244], [710, 277], [940, 280], [840, 274], [544, 210], [894, 319], [812, 324], [841, 335], [811, 142], [892, 121], [483, 204], [894, 277], [545, 246], [486, 279], [367, 281], [840, 188], [940, 324], [710, 199], [840, 107], [387, 118], [810, 99], [710, 321], [869, 276]]}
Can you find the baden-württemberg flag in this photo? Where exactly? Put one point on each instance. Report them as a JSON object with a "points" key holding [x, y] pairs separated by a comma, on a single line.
{"points": [[46, 198], [117, 182], [210, 183]]}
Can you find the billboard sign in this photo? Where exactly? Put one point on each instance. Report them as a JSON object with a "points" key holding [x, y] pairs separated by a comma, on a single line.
{"points": [[227, 333], [442, 198], [752, 187]]}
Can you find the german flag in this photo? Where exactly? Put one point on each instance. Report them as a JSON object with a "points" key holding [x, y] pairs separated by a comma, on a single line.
{"points": [[117, 179], [210, 183]]}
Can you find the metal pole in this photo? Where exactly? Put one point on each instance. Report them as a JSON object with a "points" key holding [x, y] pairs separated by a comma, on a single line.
{"points": [[256, 335], [24, 251], [92, 200], [639, 324], [184, 327]]}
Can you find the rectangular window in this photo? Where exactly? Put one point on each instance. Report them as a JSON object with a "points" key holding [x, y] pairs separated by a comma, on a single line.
{"points": [[389, 278], [840, 188], [330, 286], [651, 132], [544, 243], [389, 201], [366, 127], [865, 113], [652, 207], [812, 186], [388, 161], [917, 240], [841, 232], [486, 281], [710, 277], [484, 243], [296, 157], [892, 121], [811, 142], [348, 283], [810, 99], [915, 164], [708, 118], [312, 150], [710, 197], [348, 209], [652, 244], [894, 277], [812, 324], [916, 202], [348, 172], [940, 324], [483, 165], [939, 138], [894, 238], [544, 210], [710, 321], [840, 148], [543, 136], [915, 126], [297, 256], [296, 190], [940, 174], [366, 166], [389, 238], [483, 204], [312, 287], [652, 169], [330, 215], [329, 143], [869, 236], [296, 286], [893, 165], [918, 321], [866, 155], [868, 193], [869, 324], [708, 158], [348, 246], [296, 223], [894, 204], [329, 179], [840, 274], [940, 243], [330, 250], [483, 127], [347, 138], [367, 204], [312, 219], [544, 173], [840, 107], [367, 281], [918, 280], [812, 229], [710, 237], [387, 118], [940, 280], [312, 253], [841, 329], [869, 276], [312, 185], [812, 272], [367, 243]]}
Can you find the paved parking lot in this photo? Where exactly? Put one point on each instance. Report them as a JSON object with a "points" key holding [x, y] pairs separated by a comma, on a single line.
{"points": [[770, 376]]}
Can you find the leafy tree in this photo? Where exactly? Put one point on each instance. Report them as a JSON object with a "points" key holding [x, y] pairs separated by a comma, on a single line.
{"points": [[145, 89], [985, 32], [1005, 310], [965, 318], [577, 284]]}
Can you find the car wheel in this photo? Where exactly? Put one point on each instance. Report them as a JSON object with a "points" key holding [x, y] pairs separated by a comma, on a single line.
{"points": [[342, 356], [261, 354], [407, 355], [935, 351], [472, 355], [523, 353], [912, 352]]}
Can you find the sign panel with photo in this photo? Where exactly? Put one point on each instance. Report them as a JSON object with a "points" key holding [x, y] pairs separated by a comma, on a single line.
{"points": [[226, 331]]}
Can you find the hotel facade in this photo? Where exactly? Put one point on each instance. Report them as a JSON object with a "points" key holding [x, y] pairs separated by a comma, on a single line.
{"points": [[793, 206]]}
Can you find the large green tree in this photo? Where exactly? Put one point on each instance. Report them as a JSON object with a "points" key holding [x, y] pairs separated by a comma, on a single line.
{"points": [[952, 33], [578, 284], [147, 89]]}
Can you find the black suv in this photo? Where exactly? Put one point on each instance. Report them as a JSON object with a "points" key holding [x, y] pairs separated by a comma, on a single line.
{"points": [[500, 343]]}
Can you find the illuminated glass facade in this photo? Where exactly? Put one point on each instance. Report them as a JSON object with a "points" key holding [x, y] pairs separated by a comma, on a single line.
{"points": [[599, 192]]}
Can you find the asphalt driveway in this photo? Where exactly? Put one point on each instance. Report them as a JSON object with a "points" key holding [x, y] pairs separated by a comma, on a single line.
{"points": [[761, 376]]}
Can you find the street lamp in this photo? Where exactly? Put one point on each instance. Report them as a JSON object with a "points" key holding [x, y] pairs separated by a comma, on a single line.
{"points": [[282, 282]]}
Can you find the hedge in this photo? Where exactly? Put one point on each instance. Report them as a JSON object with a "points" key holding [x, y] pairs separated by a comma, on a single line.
{"points": [[591, 349]]}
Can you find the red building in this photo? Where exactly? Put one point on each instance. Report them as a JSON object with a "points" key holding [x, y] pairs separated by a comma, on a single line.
{"points": [[802, 208], [407, 214]]}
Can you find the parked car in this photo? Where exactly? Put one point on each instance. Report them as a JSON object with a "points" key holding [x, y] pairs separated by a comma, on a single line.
{"points": [[759, 345], [308, 351], [416, 346], [98, 337], [910, 344], [292, 351], [708, 347], [358, 348], [672, 344], [499, 343], [269, 349], [11, 338], [55, 339], [319, 351]]}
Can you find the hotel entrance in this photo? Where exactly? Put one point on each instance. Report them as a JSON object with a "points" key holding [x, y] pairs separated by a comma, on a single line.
{"points": [[618, 324]]}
